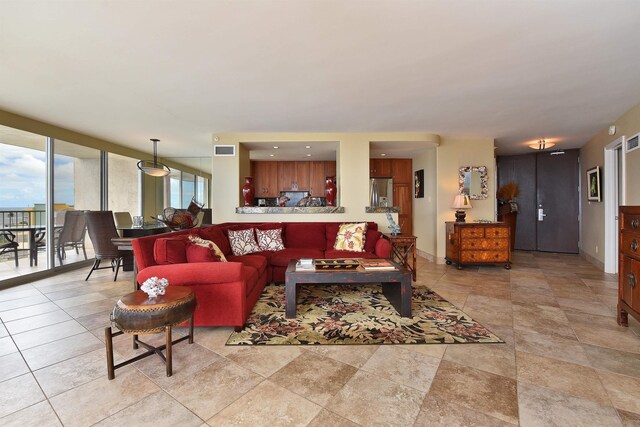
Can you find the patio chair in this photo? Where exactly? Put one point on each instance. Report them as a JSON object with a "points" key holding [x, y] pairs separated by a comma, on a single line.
{"points": [[8, 244], [71, 235], [102, 229]]}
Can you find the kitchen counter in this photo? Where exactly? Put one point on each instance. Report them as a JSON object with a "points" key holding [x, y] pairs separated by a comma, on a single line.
{"points": [[289, 210]]}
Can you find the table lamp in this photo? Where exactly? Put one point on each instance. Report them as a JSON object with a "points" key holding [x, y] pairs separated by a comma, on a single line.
{"points": [[461, 202]]}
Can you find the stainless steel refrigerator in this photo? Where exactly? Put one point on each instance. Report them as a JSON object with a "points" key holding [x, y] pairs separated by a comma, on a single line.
{"points": [[381, 192]]}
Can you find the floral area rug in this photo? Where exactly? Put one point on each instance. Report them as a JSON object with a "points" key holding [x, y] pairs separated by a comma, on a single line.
{"points": [[357, 314]]}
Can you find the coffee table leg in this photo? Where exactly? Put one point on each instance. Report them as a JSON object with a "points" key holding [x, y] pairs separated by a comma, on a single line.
{"points": [[290, 298], [169, 364], [191, 330], [109, 343], [405, 296]]}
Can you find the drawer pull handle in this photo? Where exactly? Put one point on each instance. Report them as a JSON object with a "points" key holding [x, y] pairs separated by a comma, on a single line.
{"points": [[632, 280], [634, 245], [635, 222]]}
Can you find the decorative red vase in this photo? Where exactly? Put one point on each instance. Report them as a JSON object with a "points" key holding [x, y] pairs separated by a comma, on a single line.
{"points": [[248, 191], [331, 191]]}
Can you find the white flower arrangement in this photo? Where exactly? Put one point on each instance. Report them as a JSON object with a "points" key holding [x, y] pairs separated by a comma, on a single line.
{"points": [[154, 286]]}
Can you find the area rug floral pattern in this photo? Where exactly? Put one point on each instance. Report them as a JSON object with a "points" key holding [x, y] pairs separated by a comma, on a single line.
{"points": [[357, 314]]}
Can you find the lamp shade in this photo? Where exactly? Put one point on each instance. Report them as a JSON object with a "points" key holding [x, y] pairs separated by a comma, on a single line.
{"points": [[461, 201]]}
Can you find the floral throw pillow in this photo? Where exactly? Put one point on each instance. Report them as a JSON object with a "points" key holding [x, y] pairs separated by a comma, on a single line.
{"points": [[270, 240], [242, 242], [199, 241], [351, 237]]}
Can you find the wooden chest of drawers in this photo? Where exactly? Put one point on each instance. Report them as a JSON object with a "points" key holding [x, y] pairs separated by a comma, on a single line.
{"points": [[478, 243], [629, 267]]}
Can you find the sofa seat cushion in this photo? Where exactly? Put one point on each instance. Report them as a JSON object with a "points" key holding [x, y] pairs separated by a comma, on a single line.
{"points": [[333, 254], [255, 261], [282, 258]]}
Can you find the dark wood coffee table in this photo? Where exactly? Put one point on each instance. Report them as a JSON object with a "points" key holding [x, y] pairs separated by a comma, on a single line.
{"points": [[396, 284]]}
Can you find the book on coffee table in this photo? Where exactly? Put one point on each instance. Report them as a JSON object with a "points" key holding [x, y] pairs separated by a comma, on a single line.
{"points": [[376, 264], [305, 264], [336, 264]]}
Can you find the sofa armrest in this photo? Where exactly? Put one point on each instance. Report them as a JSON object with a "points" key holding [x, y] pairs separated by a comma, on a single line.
{"points": [[195, 273], [383, 248]]}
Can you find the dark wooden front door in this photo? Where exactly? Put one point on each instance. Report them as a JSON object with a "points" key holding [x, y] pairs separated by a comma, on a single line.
{"points": [[549, 182], [557, 194]]}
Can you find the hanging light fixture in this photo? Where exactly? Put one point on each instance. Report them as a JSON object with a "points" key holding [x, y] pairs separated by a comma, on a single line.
{"points": [[154, 168], [541, 145]]}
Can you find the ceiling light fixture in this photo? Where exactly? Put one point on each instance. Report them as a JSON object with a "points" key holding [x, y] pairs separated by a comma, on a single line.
{"points": [[276, 147], [541, 145], [271, 155], [154, 168], [382, 154], [308, 146], [308, 155]]}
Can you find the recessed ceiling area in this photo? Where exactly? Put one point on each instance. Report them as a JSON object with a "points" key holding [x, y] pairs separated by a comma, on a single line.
{"points": [[180, 71], [325, 150], [398, 149]]}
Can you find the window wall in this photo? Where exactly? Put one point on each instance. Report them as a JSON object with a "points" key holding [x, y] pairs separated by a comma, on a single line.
{"points": [[76, 188], [184, 186], [23, 198]]}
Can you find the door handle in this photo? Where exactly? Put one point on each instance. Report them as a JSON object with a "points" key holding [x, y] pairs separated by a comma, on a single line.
{"points": [[541, 214]]}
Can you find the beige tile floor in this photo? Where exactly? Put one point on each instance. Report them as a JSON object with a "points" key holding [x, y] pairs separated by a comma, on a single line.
{"points": [[565, 361]]}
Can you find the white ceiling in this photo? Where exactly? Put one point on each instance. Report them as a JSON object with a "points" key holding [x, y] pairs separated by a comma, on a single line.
{"points": [[127, 71]]}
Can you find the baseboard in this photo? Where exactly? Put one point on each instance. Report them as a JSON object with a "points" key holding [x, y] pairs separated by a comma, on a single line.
{"points": [[592, 260], [429, 257]]}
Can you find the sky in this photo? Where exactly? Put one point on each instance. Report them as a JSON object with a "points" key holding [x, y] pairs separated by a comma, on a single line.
{"points": [[22, 177]]}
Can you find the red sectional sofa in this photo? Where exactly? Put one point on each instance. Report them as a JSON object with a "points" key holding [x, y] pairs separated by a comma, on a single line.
{"points": [[227, 291]]}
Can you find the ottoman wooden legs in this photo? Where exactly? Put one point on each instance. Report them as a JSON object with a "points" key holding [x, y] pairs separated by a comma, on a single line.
{"points": [[108, 335]]}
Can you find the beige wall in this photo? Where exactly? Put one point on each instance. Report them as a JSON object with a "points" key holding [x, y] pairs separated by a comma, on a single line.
{"points": [[352, 163], [591, 155], [425, 209], [451, 155]]}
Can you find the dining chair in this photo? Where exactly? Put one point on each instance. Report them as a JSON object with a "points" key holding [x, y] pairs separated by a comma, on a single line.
{"points": [[102, 229], [123, 219], [8, 244]]}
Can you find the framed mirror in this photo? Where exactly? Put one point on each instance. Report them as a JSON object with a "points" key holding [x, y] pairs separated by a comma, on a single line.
{"points": [[473, 181]]}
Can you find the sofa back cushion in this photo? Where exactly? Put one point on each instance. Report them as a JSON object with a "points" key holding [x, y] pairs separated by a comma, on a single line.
{"points": [[305, 235], [217, 236], [372, 238], [198, 253], [170, 250]]}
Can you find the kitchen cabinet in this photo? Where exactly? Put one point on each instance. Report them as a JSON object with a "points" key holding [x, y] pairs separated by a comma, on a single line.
{"points": [[403, 199], [265, 178], [317, 178], [379, 168], [402, 171]]}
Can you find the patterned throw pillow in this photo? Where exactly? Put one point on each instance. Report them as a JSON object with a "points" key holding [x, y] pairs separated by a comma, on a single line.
{"points": [[270, 240], [197, 240], [351, 237], [243, 242]]}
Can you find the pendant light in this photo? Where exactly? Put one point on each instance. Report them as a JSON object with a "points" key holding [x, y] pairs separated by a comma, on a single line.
{"points": [[154, 168]]}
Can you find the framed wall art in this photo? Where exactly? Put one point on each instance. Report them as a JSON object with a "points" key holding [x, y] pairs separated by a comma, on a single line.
{"points": [[593, 181], [418, 184]]}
